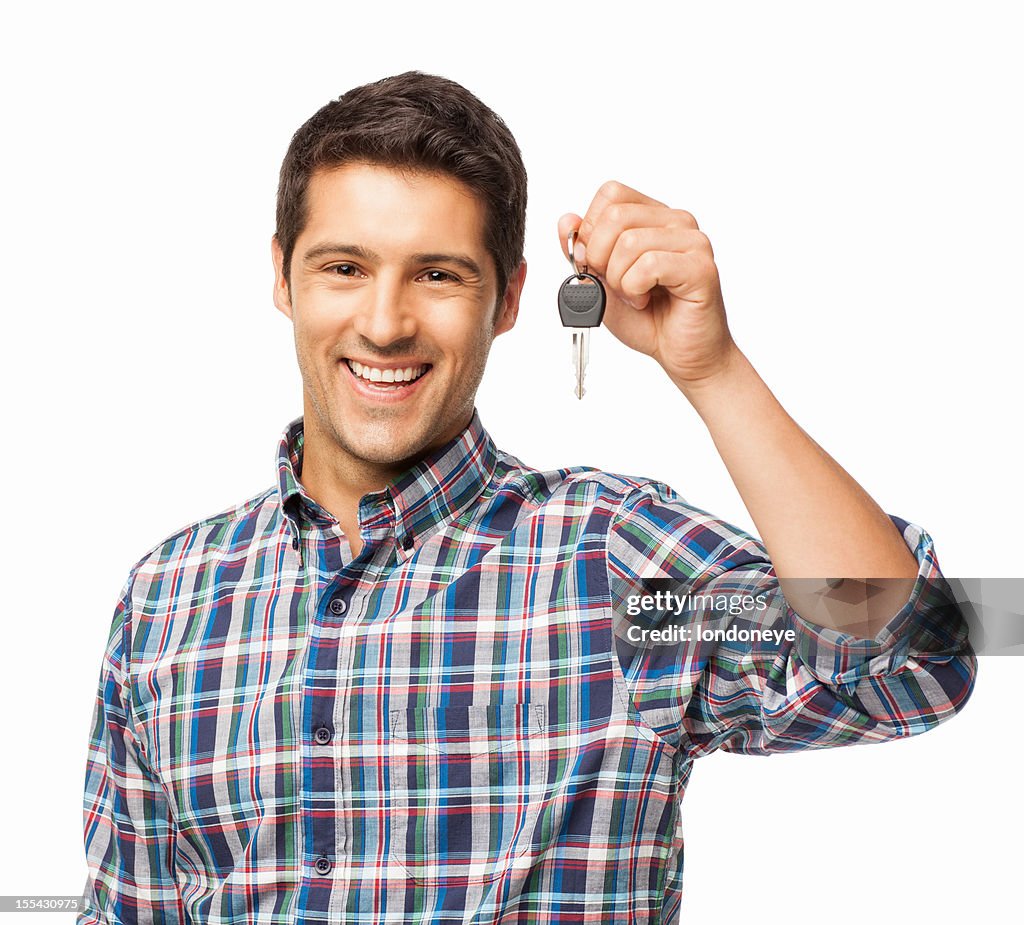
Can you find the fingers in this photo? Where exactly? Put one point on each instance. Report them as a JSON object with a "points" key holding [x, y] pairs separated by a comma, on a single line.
{"points": [[633, 244], [617, 207], [609, 194], [636, 243], [679, 273], [628, 229]]}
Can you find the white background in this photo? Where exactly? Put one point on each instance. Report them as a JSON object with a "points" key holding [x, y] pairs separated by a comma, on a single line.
{"points": [[858, 170]]}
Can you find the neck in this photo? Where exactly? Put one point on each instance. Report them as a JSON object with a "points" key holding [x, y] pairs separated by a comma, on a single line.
{"points": [[337, 480]]}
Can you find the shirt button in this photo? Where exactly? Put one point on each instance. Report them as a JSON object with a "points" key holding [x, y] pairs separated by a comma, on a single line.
{"points": [[322, 866], [407, 541], [338, 606], [322, 735]]}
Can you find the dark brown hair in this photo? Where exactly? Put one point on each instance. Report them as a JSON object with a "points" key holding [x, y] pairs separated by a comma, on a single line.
{"points": [[413, 121]]}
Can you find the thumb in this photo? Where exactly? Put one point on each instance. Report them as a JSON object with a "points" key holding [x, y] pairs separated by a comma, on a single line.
{"points": [[567, 224]]}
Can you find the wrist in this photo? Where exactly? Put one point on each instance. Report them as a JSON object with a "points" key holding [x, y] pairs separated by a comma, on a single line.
{"points": [[732, 378]]}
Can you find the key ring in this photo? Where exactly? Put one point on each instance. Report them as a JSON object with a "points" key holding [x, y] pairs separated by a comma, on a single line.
{"points": [[572, 256]]}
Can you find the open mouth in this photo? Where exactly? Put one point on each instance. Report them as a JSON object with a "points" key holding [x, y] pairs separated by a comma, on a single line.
{"points": [[387, 379]]}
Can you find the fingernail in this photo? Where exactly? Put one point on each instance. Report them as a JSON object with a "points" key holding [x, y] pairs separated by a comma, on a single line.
{"points": [[579, 253]]}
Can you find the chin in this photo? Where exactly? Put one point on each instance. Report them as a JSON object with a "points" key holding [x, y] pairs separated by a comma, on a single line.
{"points": [[383, 449], [388, 458]]}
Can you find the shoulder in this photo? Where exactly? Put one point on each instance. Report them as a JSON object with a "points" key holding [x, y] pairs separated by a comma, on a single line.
{"points": [[221, 536], [513, 477], [636, 524], [588, 489]]}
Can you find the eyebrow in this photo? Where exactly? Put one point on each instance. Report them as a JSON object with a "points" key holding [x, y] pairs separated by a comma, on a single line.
{"points": [[362, 253]]}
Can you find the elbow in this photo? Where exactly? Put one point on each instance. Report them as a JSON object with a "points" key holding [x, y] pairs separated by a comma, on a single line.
{"points": [[937, 692]]}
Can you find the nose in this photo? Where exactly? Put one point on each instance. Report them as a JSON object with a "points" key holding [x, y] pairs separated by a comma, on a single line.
{"points": [[386, 314]]}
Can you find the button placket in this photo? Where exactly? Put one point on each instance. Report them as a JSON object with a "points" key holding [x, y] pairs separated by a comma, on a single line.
{"points": [[323, 835], [358, 577]]}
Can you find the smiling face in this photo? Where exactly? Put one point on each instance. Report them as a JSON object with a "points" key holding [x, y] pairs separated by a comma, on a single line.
{"points": [[393, 300]]}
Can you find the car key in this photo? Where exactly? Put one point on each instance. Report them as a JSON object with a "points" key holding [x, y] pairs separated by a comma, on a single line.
{"points": [[581, 302]]}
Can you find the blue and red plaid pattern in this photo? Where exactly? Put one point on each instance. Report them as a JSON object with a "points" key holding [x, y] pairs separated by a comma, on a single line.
{"points": [[454, 726]]}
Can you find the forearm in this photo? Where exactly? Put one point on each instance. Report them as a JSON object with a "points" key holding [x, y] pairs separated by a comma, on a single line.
{"points": [[813, 518]]}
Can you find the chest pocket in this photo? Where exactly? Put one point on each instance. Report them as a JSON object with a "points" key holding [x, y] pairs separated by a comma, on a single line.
{"points": [[466, 786]]}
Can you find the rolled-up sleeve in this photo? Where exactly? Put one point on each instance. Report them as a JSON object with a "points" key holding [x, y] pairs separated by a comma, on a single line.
{"points": [[129, 834], [715, 681]]}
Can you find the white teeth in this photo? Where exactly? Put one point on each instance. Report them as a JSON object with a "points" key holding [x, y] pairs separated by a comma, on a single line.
{"points": [[372, 374]]}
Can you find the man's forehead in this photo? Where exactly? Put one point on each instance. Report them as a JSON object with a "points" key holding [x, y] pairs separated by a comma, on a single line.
{"points": [[390, 207], [351, 181]]}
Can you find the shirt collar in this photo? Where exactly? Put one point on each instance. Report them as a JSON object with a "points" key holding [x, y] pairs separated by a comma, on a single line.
{"points": [[435, 490]]}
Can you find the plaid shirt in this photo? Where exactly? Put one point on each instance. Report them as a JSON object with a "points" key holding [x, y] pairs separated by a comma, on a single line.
{"points": [[454, 726]]}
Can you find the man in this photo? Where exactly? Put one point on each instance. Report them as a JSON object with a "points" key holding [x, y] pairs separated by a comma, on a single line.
{"points": [[416, 680]]}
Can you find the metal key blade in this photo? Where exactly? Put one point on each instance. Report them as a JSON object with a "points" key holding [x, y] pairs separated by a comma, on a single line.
{"points": [[580, 355]]}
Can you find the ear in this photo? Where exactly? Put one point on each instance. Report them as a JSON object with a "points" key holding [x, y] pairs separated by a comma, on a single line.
{"points": [[282, 292], [509, 310]]}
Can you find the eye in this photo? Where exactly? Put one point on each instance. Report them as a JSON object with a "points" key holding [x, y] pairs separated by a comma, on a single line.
{"points": [[347, 270], [440, 276]]}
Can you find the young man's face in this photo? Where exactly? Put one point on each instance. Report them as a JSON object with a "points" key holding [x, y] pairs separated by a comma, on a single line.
{"points": [[393, 300]]}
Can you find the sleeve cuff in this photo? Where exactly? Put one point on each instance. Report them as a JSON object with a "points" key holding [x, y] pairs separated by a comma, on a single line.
{"points": [[929, 622]]}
